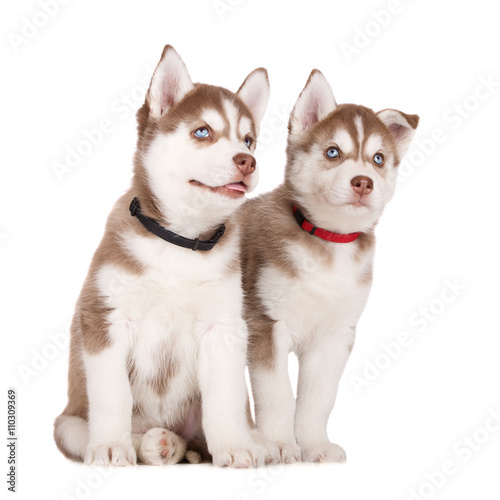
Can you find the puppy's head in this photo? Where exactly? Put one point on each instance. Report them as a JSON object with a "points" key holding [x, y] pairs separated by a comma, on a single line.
{"points": [[197, 142], [342, 160]]}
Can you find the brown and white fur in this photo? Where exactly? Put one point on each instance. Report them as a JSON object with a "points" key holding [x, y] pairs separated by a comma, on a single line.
{"points": [[158, 343], [303, 294]]}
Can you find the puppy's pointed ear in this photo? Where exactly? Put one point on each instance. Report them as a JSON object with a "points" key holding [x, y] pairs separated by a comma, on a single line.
{"points": [[170, 82], [254, 92], [315, 102], [401, 126]]}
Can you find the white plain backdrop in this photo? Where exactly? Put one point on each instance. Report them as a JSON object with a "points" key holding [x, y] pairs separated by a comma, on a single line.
{"points": [[419, 405]]}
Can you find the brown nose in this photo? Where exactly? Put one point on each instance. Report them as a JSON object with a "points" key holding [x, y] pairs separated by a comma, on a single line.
{"points": [[245, 162], [362, 184]]}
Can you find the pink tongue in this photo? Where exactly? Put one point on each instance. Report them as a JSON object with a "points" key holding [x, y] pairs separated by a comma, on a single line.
{"points": [[237, 187]]}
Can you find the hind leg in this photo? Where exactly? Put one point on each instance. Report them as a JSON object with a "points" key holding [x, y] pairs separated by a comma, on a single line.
{"points": [[159, 447]]}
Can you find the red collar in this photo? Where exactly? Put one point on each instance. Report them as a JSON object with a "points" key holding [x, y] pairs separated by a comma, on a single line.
{"points": [[322, 233]]}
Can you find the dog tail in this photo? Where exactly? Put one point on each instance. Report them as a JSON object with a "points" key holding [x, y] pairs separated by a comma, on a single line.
{"points": [[71, 435]]}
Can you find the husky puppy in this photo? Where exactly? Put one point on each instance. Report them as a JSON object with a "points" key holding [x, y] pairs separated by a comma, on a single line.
{"points": [[158, 342], [307, 251]]}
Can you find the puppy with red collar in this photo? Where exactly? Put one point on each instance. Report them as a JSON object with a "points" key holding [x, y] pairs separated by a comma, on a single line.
{"points": [[307, 253]]}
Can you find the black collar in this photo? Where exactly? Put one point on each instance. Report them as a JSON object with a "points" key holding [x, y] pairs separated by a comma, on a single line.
{"points": [[154, 227]]}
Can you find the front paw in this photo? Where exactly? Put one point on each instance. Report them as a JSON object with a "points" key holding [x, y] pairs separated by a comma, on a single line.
{"points": [[242, 456], [110, 454], [273, 455], [161, 447], [289, 452], [323, 452]]}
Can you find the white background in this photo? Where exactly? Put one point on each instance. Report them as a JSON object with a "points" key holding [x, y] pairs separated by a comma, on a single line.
{"points": [[420, 405]]}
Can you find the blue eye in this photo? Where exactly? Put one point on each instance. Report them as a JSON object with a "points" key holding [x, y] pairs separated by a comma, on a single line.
{"points": [[202, 133], [333, 153], [248, 142], [378, 159]]}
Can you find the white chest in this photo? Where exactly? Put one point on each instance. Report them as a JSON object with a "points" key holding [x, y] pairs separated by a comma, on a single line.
{"points": [[325, 294], [163, 312]]}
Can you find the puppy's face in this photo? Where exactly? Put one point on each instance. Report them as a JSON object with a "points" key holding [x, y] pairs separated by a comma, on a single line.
{"points": [[198, 140], [342, 160], [205, 148]]}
